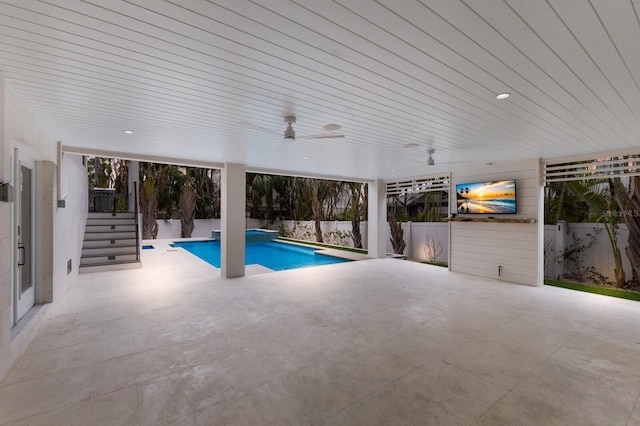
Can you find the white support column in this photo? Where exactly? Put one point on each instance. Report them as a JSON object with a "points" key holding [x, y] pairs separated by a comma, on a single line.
{"points": [[377, 220], [540, 226], [232, 220], [45, 196]]}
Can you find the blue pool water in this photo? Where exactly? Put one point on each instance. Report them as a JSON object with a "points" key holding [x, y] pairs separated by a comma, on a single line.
{"points": [[273, 255]]}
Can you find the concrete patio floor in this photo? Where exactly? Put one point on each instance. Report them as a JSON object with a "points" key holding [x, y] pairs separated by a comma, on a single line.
{"points": [[375, 342]]}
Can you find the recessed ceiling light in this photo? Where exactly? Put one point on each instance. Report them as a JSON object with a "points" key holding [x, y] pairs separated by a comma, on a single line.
{"points": [[305, 158], [332, 127], [503, 95], [128, 132], [410, 145]]}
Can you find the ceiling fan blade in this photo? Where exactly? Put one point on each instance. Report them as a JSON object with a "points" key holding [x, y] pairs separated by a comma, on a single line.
{"points": [[324, 136], [437, 163], [284, 145], [255, 126], [456, 162]]}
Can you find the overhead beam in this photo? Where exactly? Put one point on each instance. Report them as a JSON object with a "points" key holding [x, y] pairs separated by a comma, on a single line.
{"points": [[91, 152]]}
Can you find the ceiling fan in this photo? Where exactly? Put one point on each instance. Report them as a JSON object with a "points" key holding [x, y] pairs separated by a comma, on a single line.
{"points": [[290, 134], [430, 160]]}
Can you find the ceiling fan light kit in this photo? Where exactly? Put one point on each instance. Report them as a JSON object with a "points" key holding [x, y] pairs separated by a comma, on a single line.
{"points": [[289, 133], [430, 160], [332, 127]]}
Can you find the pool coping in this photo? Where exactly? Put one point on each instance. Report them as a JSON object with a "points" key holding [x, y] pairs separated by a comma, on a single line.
{"points": [[340, 254]]}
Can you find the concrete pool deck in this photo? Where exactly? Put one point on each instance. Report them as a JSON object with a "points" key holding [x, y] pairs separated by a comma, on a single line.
{"points": [[375, 342]]}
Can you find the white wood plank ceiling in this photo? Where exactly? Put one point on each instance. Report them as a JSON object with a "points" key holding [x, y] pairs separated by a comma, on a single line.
{"points": [[199, 79]]}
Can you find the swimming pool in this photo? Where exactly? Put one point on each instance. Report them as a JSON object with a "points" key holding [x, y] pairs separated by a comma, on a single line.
{"points": [[273, 255]]}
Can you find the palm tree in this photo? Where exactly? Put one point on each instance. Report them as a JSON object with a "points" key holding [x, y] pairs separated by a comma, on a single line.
{"points": [[598, 195], [466, 198], [206, 183], [170, 179], [316, 207], [395, 227], [562, 203], [356, 196], [110, 173], [262, 196], [628, 201], [148, 206], [301, 201], [187, 210]]}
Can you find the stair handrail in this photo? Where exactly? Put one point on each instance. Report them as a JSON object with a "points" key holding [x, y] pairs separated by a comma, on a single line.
{"points": [[135, 198]]}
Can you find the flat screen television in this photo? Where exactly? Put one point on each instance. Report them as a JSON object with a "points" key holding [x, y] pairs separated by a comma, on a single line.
{"points": [[494, 197]]}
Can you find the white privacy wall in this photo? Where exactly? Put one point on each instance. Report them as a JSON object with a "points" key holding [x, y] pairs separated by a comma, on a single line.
{"points": [[18, 129], [69, 222], [596, 250], [479, 248], [424, 241]]}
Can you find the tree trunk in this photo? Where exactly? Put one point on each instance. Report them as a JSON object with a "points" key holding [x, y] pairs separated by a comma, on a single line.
{"points": [[356, 236], [629, 204], [316, 208], [560, 209], [149, 209], [187, 211], [397, 235]]}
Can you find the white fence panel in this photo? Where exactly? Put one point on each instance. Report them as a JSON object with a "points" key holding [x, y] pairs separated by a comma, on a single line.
{"points": [[168, 228], [430, 241], [334, 232], [424, 241], [201, 228], [553, 243], [599, 255]]}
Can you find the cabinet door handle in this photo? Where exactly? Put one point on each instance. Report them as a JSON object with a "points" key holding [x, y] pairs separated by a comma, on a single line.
{"points": [[22, 257]]}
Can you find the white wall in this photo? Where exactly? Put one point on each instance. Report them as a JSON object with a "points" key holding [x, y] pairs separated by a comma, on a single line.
{"points": [[57, 230], [19, 130], [69, 222], [5, 243], [479, 248]]}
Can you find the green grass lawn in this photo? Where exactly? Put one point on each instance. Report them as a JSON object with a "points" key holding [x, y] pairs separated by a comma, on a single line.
{"points": [[623, 294], [443, 264]]}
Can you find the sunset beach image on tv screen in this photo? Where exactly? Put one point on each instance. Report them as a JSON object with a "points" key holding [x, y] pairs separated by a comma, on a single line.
{"points": [[495, 197]]}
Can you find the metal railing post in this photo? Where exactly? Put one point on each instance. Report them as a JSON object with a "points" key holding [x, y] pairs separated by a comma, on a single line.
{"points": [[135, 196]]}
